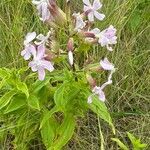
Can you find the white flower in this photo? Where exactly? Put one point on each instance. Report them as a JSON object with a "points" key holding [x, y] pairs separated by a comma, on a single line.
{"points": [[39, 64], [80, 24], [92, 10]]}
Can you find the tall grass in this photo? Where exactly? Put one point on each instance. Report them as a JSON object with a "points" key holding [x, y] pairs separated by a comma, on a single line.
{"points": [[129, 97]]}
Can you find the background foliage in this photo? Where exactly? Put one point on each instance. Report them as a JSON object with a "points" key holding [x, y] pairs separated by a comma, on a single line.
{"points": [[128, 98]]}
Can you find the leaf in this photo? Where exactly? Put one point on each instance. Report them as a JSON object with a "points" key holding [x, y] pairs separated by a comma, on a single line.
{"points": [[137, 145], [23, 88], [6, 98], [40, 84], [16, 103], [33, 102], [100, 109], [47, 133], [65, 132], [4, 73], [122, 146], [48, 114], [59, 96]]}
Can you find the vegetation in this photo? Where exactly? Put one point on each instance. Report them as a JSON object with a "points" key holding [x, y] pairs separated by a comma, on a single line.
{"points": [[128, 99]]}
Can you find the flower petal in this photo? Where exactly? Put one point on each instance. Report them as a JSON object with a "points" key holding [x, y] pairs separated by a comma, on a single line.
{"points": [[91, 16], [29, 37], [87, 2], [99, 16], [96, 31], [97, 4], [47, 65], [106, 65], [33, 66], [102, 96], [40, 51], [41, 74]]}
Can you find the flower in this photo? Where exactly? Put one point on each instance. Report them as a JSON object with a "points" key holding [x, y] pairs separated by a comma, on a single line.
{"points": [[80, 24], [29, 48], [42, 7], [92, 10], [28, 51], [42, 39], [39, 64], [106, 37], [98, 90]]}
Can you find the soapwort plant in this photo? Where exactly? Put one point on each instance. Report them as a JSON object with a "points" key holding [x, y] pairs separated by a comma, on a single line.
{"points": [[46, 107]]}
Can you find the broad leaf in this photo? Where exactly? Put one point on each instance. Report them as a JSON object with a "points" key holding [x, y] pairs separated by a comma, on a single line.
{"points": [[17, 102], [59, 96], [65, 132], [6, 98], [33, 102], [4, 73], [23, 88], [100, 109], [40, 84], [48, 133], [48, 114]]}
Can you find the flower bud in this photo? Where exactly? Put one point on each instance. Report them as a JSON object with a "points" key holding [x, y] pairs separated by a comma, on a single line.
{"points": [[91, 81], [70, 45], [58, 15]]}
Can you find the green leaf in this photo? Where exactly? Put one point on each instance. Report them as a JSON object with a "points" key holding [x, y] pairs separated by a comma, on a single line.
{"points": [[47, 133], [137, 145], [4, 73], [59, 96], [16, 103], [100, 109], [6, 98], [48, 114], [122, 146], [38, 85], [33, 102], [2, 83], [65, 132], [23, 88]]}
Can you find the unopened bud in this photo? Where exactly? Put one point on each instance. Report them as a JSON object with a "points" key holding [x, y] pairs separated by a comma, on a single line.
{"points": [[91, 81], [58, 15], [70, 45], [89, 34]]}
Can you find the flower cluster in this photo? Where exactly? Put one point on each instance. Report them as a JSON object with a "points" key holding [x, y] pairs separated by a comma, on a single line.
{"points": [[79, 24]]}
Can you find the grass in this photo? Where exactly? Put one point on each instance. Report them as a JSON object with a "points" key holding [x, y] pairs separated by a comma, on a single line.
{"points": [[128, 98]]}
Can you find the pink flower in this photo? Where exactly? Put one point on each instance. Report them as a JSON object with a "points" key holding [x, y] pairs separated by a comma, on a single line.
{"points": [[42, 7], [39, 64], [98, 90], [92, 10], [28, 51], [106, 37], [29, 48]]}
